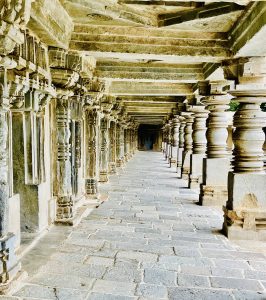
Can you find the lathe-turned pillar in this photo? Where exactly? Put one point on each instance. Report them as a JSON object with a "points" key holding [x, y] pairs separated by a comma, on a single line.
{"points": [[199, 145], [175, 141], [167, 141], [91, 151], [104, 149], [216, 165], [112, 148], [245, 211], [127, 144], [187, 144], [64, 211], [181, 142], [120, 146]]}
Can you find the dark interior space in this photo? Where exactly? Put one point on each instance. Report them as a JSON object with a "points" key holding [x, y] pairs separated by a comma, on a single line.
{"points": [[149, 137]]}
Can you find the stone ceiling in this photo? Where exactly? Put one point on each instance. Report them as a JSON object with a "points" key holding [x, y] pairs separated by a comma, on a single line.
{"points": [[157, 50]]}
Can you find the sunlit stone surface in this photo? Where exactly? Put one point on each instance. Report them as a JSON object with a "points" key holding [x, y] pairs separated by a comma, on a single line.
{"points": [[87, 84]]}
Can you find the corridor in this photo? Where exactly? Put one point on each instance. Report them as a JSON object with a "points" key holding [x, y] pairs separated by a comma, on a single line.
{"points": [[150, 240]]}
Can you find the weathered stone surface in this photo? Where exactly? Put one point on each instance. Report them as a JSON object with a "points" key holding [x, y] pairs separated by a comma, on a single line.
{"points": [[152, 264]]}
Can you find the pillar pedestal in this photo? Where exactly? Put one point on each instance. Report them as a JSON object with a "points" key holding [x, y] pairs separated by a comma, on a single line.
{"points": [[245, 212], [213, 190]]}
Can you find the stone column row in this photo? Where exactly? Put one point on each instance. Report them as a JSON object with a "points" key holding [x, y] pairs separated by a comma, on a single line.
{"points": [[233, 179]]}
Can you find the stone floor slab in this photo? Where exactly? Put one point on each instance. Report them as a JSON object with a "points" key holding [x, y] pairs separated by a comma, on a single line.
{"points": [[150, 240]]}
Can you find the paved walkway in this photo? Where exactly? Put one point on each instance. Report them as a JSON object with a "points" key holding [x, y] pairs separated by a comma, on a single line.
{"points": [[149, 241]]}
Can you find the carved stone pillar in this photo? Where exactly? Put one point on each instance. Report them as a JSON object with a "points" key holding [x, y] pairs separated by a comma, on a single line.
{"points": [[175, 140], [91, 151], [167, 141], [126, 144], [180, 144], [170, 140], [112, 149], [122, 145], [104, 147], [245, 211], [9, 265], [187, 144], [216, 165], [135, 139], [64, 211], [199, 146]]}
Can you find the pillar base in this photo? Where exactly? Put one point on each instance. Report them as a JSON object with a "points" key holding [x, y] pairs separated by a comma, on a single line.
{"points": [[91, 187], [120, 163], [213, 190], [195, 176], [213, 195], [173, 162], [8, 260], [186, 165], [245, 211], [112, 168], [64, 212], [103, 177]]}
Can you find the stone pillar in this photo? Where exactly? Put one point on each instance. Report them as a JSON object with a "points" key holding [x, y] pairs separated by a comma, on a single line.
{"points": [[9, 265], [187, 145], [112, 148], [170, 139], [91, 151], [181, 139], [64, 211], [245, 211], [167, 128], [127, 144], [175, 140], [135, 139], [216, 165], [120, 146], [199, 146], [104, 148]]}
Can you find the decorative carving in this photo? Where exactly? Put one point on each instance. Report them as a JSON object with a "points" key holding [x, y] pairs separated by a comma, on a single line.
{"points": [[91, 159], [112, 149], [104, 147], [14, 14], [64, 201]]}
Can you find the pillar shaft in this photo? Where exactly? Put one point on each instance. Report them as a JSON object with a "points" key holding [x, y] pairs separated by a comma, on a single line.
{"points": [[181, 144], [64, 212], [104, 148], [112, 148], [199, 146], [91, 149], [188, 145], [175, 140]]}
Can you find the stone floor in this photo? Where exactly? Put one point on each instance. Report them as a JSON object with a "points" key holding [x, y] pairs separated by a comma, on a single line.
{"points": [[149, 241]]}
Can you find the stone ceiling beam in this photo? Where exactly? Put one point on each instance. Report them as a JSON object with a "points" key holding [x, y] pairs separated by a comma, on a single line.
{"points": [[204, 12], [150, 88], [248, 37], [51, 23], [150, 41], [163, 2], [149, 71]]}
